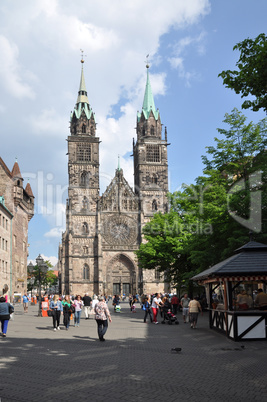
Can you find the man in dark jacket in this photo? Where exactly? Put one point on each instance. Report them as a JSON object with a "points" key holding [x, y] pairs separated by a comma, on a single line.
{"points": [[87, 301]]}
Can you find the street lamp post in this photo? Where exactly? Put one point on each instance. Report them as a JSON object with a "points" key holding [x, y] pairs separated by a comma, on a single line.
{"points": [[42, 269]]}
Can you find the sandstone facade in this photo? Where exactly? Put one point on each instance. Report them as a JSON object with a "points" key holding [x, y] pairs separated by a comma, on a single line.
{"points": [[102, 232]]}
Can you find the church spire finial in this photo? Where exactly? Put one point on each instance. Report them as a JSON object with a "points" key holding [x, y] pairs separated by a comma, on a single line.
{"points": [[147, 61], [119, 166], [82, 60]]}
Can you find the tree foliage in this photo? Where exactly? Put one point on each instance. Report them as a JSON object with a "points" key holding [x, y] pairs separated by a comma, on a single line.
{"points": [[251, 77], [208, 220], [47, 280]]}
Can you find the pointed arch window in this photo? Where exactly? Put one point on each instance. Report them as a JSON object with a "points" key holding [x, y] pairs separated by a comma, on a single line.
{"points": [[85, 203], [92, 131], [86, 272], [152, 130], [143, 131], [84, 129], [85, 229], [154, 179], [84, 179], [154, 205]]}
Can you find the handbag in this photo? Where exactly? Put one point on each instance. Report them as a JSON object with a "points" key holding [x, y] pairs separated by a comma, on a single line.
{"points": [[72, 309], [10, 309], [50, 313]]}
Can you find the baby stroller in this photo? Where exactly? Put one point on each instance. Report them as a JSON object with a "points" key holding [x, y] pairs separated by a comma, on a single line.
{"points": [[117, 308], [170, 318]]}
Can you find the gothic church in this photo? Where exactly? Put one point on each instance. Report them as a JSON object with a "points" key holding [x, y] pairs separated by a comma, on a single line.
{"points": [[102, 232]]}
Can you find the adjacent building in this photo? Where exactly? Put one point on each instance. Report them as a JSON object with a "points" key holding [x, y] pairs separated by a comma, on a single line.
{"points": [[102, 232], [16, 210]]}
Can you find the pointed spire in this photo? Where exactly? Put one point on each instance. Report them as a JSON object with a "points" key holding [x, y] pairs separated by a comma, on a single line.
{"points": [[16, 170], [82, 94], [148, 103], [119, 167], [82, 103], [28, 190]]}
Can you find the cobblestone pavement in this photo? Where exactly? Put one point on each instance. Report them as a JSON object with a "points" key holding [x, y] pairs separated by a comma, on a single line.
{"points": [[134, 364]]}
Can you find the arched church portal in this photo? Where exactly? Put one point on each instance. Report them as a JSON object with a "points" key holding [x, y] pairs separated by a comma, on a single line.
{"points": [[121, 276]]}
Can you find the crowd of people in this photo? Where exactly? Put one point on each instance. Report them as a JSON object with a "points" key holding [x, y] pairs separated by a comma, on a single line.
{"points": [[164, 305]]}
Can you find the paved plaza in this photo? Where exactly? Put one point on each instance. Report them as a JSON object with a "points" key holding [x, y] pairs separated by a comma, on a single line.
{"points": [[134, 364]]}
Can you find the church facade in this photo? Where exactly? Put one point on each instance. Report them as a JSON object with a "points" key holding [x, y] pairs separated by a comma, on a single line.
{"points": [[96, 254]]}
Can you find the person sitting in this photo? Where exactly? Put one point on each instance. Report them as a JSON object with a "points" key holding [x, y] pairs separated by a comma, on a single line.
{"points": [[244, 301], [261, 300]]}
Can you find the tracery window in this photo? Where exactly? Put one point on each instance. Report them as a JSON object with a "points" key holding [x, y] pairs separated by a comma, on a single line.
{"points": [[84, 152], [152, 153], [84, 179]]}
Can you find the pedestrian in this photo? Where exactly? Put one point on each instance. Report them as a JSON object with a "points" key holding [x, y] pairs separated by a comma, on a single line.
{"points": [[67, 311], [78, 304], [57, 311], [156, 303], [194, 308], [175, 304], [185, 306], [5, 310], [146, 307], [94, 302], [87, 302], [25, 301], [102, 315], [261, 300]]}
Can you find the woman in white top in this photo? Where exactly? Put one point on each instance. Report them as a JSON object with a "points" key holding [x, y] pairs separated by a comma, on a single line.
{"points": [[156, 303]]}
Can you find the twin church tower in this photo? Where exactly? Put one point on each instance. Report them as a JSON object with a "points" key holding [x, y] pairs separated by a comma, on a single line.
{"points": [[96, 254]]}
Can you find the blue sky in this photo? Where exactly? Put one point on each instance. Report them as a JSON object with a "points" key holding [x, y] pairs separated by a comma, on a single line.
{"points": [[189, 43]]}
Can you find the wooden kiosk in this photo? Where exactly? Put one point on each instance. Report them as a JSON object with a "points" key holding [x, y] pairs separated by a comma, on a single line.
{"points": [[232, 287]]}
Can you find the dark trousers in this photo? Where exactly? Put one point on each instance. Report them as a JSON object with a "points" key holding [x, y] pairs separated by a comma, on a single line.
{"points": [[174, 308], [66, 319], [56, 318], [102, 326], [150, 315]]}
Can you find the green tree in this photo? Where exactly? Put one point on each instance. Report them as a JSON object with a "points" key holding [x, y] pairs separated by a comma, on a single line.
{"points": [[47, 280], [251, 77], [202, 228]]}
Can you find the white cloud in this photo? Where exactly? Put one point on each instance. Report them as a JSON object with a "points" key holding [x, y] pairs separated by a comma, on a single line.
{"points": [[54, 233], [11, 72], [48, 121]]}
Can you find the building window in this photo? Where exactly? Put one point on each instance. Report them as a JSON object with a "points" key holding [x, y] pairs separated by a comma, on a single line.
{"points": [[85, 179], [85, 229], [86, 272], [85, 249], [15, 240], [154, 179], [83, 128], [85, 203], [157, 274], [84, 152], [152, 153], [154, 205], [152, 130]]}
